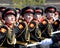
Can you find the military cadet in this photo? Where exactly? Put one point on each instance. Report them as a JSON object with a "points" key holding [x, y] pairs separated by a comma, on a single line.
{"points": [[27, 14], [50, 13], [9, 16], [56, 24], [52, 18], [56, 21], [43, 23], [53, 41], [1, 12]]}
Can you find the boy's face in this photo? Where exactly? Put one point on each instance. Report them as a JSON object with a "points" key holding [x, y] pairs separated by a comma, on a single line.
{"points": [[10, 19], [28, 16], [50, 15]]}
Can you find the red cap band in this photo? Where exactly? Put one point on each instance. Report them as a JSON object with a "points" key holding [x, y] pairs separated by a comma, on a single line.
{"points": [[10, 12], [38, 10], [29, 10], [52, 9]]}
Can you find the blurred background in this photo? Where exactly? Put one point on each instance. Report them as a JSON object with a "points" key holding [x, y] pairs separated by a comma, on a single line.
{"points": [[23, 3]]}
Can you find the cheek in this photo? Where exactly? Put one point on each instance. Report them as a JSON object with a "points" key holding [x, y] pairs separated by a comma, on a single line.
{"points": [[7, 20]]}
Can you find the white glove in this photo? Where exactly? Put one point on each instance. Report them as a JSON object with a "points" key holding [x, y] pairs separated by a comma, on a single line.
{"points": [[46, 42]]}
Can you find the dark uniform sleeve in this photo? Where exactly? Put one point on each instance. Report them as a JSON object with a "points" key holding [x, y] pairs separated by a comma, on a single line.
{"points": [[56, 37]]}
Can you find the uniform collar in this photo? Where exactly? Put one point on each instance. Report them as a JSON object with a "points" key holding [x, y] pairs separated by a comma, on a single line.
{"points": [[9, 25]]}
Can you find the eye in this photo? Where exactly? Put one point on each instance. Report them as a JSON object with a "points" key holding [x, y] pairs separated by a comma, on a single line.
{"points": [[3, 30]]}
